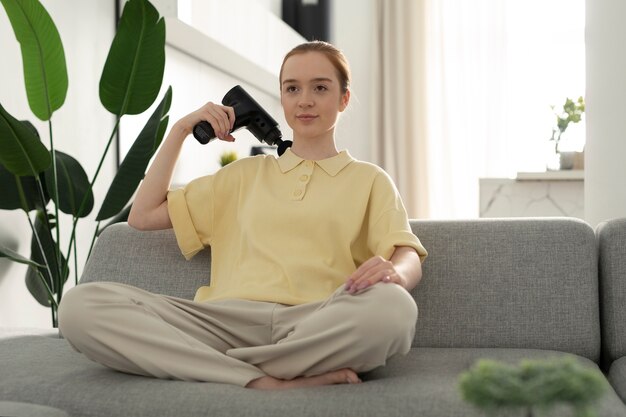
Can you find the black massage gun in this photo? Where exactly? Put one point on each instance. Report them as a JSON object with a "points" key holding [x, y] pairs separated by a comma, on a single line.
{"points": [[248, 114]]}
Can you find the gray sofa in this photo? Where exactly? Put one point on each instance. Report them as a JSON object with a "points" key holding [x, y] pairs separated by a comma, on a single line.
{"points": [[504, 289]]}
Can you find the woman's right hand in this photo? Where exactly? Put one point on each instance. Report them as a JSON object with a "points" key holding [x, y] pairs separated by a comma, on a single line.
{"points": [[221, 118], [149, 210]]}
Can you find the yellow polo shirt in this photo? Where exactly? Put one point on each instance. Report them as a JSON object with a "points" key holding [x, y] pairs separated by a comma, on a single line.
{"points": [[289, 230]]}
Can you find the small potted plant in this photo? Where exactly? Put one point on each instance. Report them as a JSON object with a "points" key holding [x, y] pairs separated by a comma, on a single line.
{"points": [[227, 157], [533, 384], [572, 112]]}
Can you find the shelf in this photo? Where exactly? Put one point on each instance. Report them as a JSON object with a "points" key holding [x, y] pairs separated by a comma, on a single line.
{"points": [[563, 175]]}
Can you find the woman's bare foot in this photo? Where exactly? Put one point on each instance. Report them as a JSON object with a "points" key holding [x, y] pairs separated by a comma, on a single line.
{"points": [[341, 376]]}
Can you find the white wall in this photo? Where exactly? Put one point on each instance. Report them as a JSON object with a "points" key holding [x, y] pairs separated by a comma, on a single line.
{"points": [[605, 149], [81, 128], [351, 22]]}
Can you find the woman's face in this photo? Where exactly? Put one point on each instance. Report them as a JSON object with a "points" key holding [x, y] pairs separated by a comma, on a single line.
{"points": [[311, 95]]}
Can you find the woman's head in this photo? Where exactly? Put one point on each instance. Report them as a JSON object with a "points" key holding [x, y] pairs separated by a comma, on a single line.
{"points": [[334, 55], [314, 89]]}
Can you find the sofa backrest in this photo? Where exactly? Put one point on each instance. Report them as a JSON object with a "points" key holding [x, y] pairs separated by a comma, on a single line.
{"points": [[612, 265], [148, 260], [510, 283], [514, 283]]}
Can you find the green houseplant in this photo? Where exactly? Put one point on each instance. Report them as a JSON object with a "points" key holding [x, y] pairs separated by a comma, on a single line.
{"points": [[43, 181], [571, 113], [227, 157], [533, 384]]}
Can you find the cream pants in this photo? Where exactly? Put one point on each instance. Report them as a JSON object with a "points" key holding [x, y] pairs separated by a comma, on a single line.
{"points": [[236, 341]]}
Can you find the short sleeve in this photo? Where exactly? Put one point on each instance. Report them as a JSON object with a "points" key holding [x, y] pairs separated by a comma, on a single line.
{"points": [[191, 213], [388, 221]]}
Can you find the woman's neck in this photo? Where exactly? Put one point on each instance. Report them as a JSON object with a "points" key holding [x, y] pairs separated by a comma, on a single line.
{"points": [[315, 149]]}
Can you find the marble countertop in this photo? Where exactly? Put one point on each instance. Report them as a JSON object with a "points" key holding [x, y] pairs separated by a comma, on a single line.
{"points": [[564, 175]]}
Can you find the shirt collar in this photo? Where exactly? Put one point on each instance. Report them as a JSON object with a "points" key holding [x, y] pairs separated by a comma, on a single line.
{"points": [[289, 160]]}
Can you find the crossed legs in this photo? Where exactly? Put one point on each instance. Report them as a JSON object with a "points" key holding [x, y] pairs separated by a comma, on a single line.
{"points": [[247, 343]]}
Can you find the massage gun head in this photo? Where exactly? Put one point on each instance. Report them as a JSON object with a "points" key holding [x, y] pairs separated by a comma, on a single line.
{"points": [[248, 114]]}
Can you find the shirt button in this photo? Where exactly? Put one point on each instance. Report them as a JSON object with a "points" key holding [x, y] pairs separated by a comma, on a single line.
{"points": [[309, 163], [303, 178], [297, 193]]}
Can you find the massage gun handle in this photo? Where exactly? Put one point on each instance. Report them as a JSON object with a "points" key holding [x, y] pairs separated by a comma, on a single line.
{"points": [[203, 132]]}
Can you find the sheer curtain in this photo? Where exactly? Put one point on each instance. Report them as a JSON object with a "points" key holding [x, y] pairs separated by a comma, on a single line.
{"points": [[399, 111], [466, 95], [465, 90]]}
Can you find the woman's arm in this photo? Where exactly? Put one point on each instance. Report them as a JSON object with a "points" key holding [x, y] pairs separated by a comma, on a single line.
{"points": [[149, 210], [404, 268]]}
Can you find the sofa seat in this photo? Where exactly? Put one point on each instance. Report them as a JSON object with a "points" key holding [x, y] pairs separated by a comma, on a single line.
{"points": [[46, 370], [15, 409]]}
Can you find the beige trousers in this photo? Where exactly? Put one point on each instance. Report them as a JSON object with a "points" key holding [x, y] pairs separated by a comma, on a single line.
{"points": [[236, 341]]}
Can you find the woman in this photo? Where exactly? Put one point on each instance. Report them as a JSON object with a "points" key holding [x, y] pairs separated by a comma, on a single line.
{"points": [[312, 255]]}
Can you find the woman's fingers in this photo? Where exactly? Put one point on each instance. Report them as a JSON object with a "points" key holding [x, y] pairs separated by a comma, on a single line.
{"points": [[219, 119], [374, 270]]}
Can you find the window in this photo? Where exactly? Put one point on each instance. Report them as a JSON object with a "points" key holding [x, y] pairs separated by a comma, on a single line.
{"points": [[494, 68], [545, 64]]}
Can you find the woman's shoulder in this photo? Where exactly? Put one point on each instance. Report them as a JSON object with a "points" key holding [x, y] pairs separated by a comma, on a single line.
{"points": [[247, 164], [374, 177], [369, 169], [366, 166]]}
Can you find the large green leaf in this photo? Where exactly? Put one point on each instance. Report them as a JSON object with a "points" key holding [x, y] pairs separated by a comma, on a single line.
{"points": [[133, 72], [21, 151], [133, 168], [45, 72], [73, 185], [10, 195], [33, 280]]}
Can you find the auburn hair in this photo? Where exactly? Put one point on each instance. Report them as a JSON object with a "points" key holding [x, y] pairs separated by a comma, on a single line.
{"points": [[334, 55]]}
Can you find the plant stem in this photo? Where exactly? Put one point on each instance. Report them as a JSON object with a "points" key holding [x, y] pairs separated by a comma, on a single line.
{"points": [[54, 321], [75, 262], [106, 151], [53, 305], [93, 240], [45, 260], [20, 191], [53, 279], [82, 204], [55, 184]]}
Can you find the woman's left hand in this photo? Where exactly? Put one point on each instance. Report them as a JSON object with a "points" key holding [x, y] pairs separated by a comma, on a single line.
{"points": [[374, 270]]}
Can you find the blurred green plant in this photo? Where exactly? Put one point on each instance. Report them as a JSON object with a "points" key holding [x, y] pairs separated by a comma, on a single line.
{"points": [[227, 157], [33, 177], [541, 384], [572, 112]]}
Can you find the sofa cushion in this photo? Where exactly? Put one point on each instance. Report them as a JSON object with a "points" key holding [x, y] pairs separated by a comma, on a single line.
{"points": [[612, 266], [424, 383], [519, 283]]}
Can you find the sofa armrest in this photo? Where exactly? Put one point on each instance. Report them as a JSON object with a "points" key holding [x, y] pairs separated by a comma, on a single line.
{"points": [[611, 237]]}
